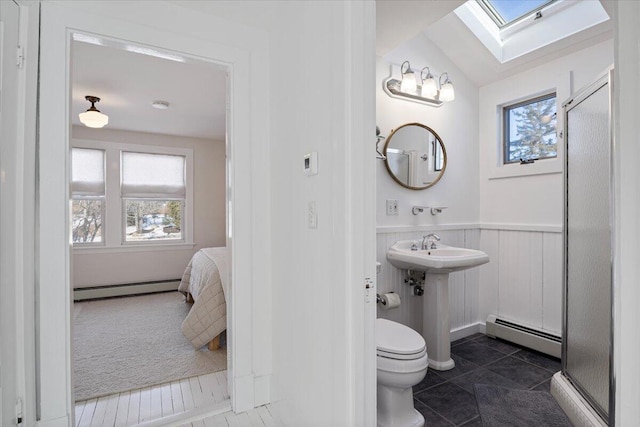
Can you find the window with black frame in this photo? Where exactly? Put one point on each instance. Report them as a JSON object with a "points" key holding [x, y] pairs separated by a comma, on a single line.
{"points": [[529, 130]]}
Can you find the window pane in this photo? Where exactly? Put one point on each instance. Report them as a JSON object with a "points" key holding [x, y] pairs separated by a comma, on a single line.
{"points": [[530, 130], [86, 220], [510, 10], [153, 220], [153, 175], [87, 172]]}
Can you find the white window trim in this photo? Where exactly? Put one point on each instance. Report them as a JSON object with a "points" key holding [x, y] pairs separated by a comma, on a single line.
{"points": [[113, 236]]}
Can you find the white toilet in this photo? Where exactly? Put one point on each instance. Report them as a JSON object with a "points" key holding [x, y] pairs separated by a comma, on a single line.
{"points": [[402, 363]]}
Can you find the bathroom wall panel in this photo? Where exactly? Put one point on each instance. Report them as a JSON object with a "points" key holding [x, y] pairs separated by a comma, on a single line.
{"points": [[523, 281], [489, 284], [472, 280], [552, 282], [520, 277]]}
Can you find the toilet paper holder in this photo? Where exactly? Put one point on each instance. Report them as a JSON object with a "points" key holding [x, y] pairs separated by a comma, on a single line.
{"points": [[380, 300]]}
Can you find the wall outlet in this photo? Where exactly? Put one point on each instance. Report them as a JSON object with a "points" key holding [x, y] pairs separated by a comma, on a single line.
{"points": [[392, 207]]}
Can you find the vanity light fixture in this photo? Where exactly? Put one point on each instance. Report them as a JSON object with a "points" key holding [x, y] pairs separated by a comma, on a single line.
{"points": [[93, 118], [427, 92], [409, 83]]}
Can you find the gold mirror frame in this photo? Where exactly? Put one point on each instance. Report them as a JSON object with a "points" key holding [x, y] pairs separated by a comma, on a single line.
{"points": [[393, 175]]}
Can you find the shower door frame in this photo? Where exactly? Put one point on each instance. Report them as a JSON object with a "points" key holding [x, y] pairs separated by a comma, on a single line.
{"points": [[567, 106]]}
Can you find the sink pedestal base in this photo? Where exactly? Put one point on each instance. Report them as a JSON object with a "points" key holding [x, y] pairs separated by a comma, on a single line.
{"points": [[436, 327]]}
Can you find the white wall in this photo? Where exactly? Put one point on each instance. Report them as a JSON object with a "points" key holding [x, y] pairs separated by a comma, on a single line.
{"points": [[325, 52], [535, 199], [455, 122], [92, 268], [522, 214]]}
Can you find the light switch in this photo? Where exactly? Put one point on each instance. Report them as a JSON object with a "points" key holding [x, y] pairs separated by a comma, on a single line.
{"points": [[312, 221]]}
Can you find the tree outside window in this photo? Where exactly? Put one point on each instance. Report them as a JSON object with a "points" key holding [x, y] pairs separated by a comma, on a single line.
{"points": [[530, 130]]}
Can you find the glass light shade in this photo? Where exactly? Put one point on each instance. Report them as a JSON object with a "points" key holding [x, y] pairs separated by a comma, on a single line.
{"points": [[429, 88], [409, 84], [446, 92], [93, 119]]}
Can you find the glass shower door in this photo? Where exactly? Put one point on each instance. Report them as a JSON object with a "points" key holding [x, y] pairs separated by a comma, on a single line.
{"points": [[587, 339]]}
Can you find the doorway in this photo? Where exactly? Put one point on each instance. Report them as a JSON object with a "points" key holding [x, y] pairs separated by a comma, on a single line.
{"points": [[131, 248], [247, 232]]}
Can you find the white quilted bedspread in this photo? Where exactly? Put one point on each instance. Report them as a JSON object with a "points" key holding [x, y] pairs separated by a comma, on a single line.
{"points": [[205, 278]]}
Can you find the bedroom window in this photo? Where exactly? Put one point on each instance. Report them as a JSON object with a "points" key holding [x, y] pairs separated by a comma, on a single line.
{"points": [[153, 192], [529, 132], [131, 197], [88, 196]]}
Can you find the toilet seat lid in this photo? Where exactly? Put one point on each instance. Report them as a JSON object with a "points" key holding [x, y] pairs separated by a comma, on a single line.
{"points": [[395, 338]]}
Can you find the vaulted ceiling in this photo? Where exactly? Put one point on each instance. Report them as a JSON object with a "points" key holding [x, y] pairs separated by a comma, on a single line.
{"points": [[129, 82]]}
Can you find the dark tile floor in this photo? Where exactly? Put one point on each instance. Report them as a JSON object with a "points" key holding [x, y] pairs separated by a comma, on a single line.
{"points": [[446, 398]]}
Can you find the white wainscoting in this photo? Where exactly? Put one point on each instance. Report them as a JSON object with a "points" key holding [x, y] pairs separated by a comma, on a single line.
{"points": [[522, 282], [463, 285]]}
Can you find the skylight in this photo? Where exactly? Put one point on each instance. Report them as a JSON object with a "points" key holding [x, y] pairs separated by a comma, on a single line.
{"points": [[512, 28], [505, 12]]}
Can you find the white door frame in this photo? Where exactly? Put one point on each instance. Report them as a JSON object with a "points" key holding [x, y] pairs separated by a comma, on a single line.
{"points": [[242, 50]]}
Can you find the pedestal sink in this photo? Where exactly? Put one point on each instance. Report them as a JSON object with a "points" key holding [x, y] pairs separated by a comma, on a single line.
{"points": [[437, 264]]}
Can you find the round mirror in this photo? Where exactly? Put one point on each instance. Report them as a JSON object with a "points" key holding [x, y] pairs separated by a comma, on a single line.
{"points": [[415, 156]]}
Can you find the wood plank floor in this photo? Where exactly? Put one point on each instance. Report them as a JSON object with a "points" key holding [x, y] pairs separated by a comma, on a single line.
{"points": [[258, 417], [151, 403]]}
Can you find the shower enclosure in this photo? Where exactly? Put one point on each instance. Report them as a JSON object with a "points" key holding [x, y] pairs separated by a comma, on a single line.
{"points": [[588, 338]]}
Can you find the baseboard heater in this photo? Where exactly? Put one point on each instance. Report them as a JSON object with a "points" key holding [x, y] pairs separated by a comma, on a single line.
{"points": [[525, 336], [127, 289]]}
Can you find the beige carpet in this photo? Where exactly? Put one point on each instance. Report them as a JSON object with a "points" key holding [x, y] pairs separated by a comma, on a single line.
{"points": [[128, 343]]}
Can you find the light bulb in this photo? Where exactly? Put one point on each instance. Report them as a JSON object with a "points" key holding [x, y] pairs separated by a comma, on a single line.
{"points": [[93, 119], [446, 92], [408, 84], [429, 88]]}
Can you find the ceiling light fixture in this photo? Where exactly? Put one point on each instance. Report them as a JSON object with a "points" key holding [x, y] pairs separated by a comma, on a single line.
{"points": [[93, 118], [429, 92], [160, 105]]}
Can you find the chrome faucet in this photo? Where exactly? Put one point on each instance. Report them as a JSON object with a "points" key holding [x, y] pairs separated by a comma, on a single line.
{"points": [[433, 238]]}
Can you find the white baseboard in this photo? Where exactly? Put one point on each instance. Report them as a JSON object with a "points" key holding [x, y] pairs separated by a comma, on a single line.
{"points": [[80, 294], [261, 387], [467, 330]]}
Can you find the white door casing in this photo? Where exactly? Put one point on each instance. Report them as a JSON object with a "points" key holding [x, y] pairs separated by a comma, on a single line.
{"points": [[9, 84], [235, 47]]}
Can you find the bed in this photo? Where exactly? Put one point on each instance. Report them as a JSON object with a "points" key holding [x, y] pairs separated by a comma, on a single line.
{"points": [[204, 283]]}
